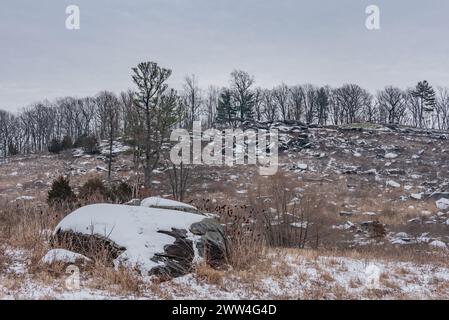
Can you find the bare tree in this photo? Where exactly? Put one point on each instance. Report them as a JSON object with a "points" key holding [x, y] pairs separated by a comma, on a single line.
{"points": [[6, 119], [297, 97], [108, 105], [392, 102], [211, 104], [191, 99], [241, 83], [269, 107], [133, 125], [258, 104], [310, 101], [322, 104], [351, 99], [178, 177], [281, 95], [442, 108]]}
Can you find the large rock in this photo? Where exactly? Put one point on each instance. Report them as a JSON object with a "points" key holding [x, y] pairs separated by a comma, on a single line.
{"points": [[443, 204], [292, 135], [157, 241], [212, 244]]}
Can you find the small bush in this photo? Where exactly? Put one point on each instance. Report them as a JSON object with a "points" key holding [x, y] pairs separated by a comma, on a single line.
{"points": [[55, 146], [67, 143], [61, 193], [12, 149], [93, 187], [88, 143], [121, 193]]}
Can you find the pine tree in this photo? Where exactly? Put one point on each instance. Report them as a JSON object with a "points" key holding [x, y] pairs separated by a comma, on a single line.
{"points": [[426, 97], [226, 111], [61, 193], [55, 146]]}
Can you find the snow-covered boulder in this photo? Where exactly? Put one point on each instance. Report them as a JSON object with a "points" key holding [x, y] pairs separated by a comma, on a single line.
{"points": [[157, 241], [443, 204], [438, 244], [64, 256], [117, 148], [391, 155], [156, 202], [24, 198], [416, 196]]}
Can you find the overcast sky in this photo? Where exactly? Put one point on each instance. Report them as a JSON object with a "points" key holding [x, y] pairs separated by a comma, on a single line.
{"points": [[291, 41]]}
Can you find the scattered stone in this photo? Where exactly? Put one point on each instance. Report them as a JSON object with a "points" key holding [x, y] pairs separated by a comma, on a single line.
{"points": [[302, 166], [415, 221], [395, 172], [391, 155], [438, 244], [443, 204], [416, 196], [393, 184]]}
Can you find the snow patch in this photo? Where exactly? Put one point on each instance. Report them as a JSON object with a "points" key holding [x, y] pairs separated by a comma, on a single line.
{"points": [[62, 255]]}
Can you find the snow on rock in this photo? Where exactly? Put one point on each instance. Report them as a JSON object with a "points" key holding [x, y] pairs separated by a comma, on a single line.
{"points": [[24, 198], [393, 184], [156, 202], [443, 204], [137, 229], [417, 196], [117, 148], [62, 255], [438, 244], [391, 155]]}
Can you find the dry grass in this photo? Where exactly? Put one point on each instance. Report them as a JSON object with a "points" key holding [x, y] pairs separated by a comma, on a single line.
{"points": [[204, 272], [27, 226]]}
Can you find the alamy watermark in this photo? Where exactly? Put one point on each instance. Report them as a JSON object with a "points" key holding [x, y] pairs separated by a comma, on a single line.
{"points": [[373, 20], [227, 147], [73, 20], [72, 282]]}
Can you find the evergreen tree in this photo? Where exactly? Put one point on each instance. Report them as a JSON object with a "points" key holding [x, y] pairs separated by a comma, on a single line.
{"points": [[426, 99], [12, 149], [67, 143], [55, 146], [160, 109], [61, 193], [226, 111]]}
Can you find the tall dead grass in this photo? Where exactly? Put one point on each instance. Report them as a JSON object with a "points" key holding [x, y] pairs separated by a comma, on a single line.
{"points": [[27, 226]]}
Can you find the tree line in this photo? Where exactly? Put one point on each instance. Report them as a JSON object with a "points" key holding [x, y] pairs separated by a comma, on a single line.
{"points": [[145, 115]]}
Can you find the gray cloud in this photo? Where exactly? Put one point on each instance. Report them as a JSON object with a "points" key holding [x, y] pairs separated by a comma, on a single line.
{"points": [[320, 41]]}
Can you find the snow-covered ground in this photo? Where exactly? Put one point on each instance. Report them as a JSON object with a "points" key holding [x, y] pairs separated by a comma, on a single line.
{"points": [[284, 275]]}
